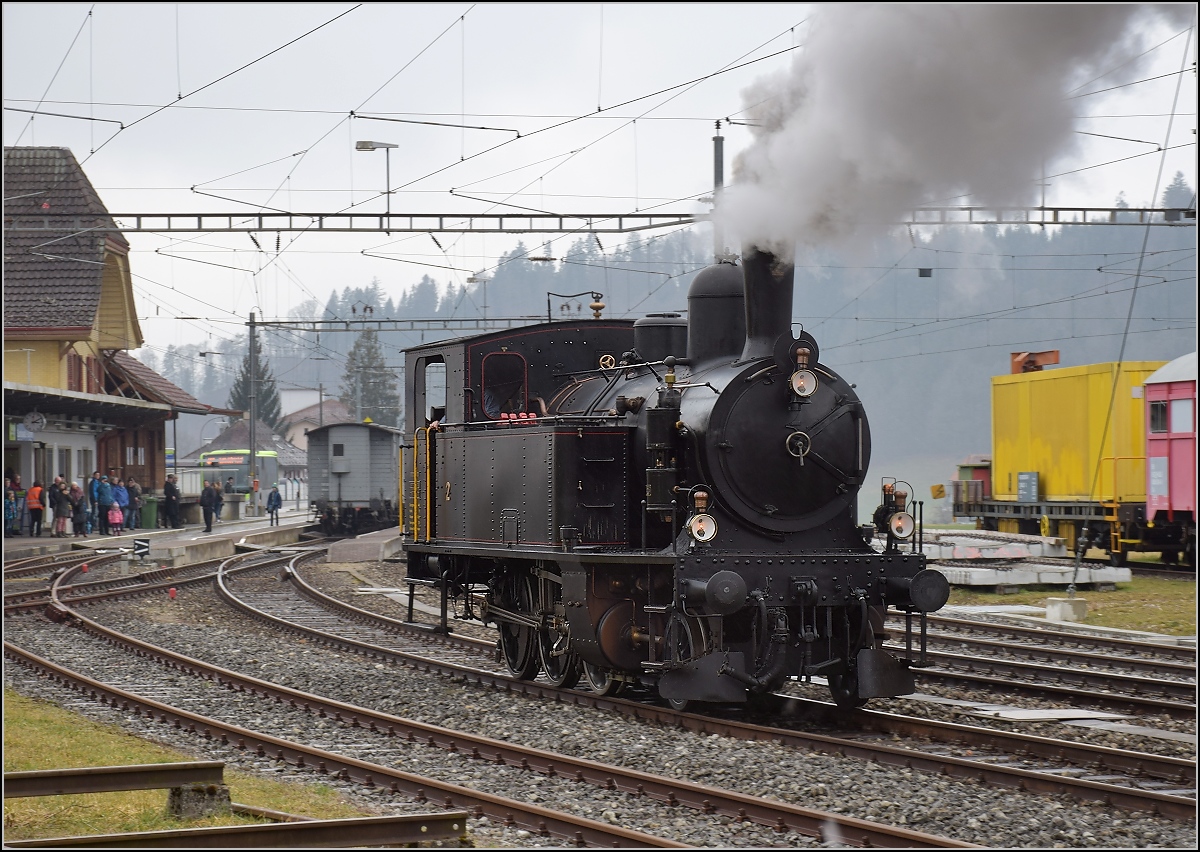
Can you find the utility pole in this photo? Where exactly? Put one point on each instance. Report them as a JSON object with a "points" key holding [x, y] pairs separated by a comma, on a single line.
{"points": [[358, 394], [718, 183], [320, 403], [253, 417]]}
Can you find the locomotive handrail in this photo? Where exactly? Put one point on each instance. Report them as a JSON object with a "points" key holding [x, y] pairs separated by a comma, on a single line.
{"points": [[416, 526], [417, 498]]}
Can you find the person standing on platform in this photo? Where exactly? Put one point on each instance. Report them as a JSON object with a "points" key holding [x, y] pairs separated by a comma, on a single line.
{"points": [[133, 518], [78, 511], [208, 502], [33, 502], [171, 504], [104, 502], [274, 504], [93, 497], [121, 501], [11, 515], [62, 508], [221, 492]]}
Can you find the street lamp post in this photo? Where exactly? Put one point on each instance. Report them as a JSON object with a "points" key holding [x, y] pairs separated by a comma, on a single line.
{"points": [[387, 150], [253, 417]]}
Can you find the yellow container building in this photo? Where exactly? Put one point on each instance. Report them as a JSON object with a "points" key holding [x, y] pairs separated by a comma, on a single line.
{"points": [[1080, 429]]}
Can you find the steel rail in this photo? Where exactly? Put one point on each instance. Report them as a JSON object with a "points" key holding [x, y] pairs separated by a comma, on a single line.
{"points": [[399, 830], [1174, 669], [27, 567], [539, 820], [99, 589], [1129, 798], [1061, 636], [780, 816], [108, 779], [1173, 696]]}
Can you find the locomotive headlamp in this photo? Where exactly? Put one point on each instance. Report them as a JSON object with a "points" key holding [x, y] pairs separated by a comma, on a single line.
{"points": [[703, 528], [803, 383], [902, 525]]}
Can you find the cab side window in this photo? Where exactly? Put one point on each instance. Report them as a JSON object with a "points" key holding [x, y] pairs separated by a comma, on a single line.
{"points": [[504, 384]]}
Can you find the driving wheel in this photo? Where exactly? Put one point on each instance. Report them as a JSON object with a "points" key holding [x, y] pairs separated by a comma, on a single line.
{"points": [[518, 643], [559, 662], [600, 680]]}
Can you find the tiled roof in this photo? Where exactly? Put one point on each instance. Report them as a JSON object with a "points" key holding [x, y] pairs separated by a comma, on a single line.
{"points": [[332, 410], [51, 282], [156, 387], [237, 437]]}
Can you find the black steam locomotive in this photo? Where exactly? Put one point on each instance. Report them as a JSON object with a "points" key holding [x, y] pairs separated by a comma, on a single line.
{"points": [[663, 502]]}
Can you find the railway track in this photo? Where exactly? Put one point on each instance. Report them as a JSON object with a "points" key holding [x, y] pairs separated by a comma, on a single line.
{"points": [[390, 735], [1020, 760], [997, 767], [1119, 650]]}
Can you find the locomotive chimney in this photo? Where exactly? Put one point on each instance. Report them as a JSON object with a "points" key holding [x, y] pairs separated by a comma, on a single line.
{"points": [[768, 284]]}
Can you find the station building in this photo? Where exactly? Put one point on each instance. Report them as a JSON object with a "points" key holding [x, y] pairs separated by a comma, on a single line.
{"points": [[75, 400]]}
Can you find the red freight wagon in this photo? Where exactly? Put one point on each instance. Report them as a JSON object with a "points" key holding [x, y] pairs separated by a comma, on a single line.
{"points": [[1171, 455]]}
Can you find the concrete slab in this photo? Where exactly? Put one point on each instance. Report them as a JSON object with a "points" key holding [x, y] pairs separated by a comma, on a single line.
{"points": [[984, 545], [1015, 714], [1028, 573], [372, 547], [990, 609], [1136, 730], [1066, 609]]}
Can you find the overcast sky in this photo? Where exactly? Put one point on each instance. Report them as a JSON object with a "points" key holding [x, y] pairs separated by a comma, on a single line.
{"points": [[566, 108]]}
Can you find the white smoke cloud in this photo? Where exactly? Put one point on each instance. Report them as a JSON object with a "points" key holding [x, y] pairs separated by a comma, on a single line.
{"points": [[893, 106]]}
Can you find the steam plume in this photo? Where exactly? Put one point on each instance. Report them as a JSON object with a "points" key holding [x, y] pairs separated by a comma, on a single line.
{"points": [[893, 106]]}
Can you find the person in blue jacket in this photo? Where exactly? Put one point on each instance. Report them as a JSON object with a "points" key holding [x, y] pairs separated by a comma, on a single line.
{"points": [[274, 504], [92, 491], [104, 501], [121, 499]]}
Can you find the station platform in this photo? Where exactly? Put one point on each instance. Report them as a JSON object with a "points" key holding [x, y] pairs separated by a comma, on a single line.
{"points": [[173, 546]]}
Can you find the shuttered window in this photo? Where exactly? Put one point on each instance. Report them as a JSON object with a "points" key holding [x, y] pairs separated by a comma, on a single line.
{"points": [[74, 372]]}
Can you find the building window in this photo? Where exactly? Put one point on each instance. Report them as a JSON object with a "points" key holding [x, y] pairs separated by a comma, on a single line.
{"points": [[74, 372], [93, 375], [64, 464], [339, 449], [1158, 416], [1181, 416]]}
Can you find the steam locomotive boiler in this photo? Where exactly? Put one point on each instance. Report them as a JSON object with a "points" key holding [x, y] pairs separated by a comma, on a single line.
{"points": [[663, 502]]}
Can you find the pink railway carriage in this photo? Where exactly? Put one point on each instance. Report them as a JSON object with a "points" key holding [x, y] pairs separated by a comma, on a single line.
{"points": [[1170, 405]]}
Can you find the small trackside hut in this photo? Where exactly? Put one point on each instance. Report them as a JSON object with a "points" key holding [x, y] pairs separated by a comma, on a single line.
{"points": [[354, 477]]}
